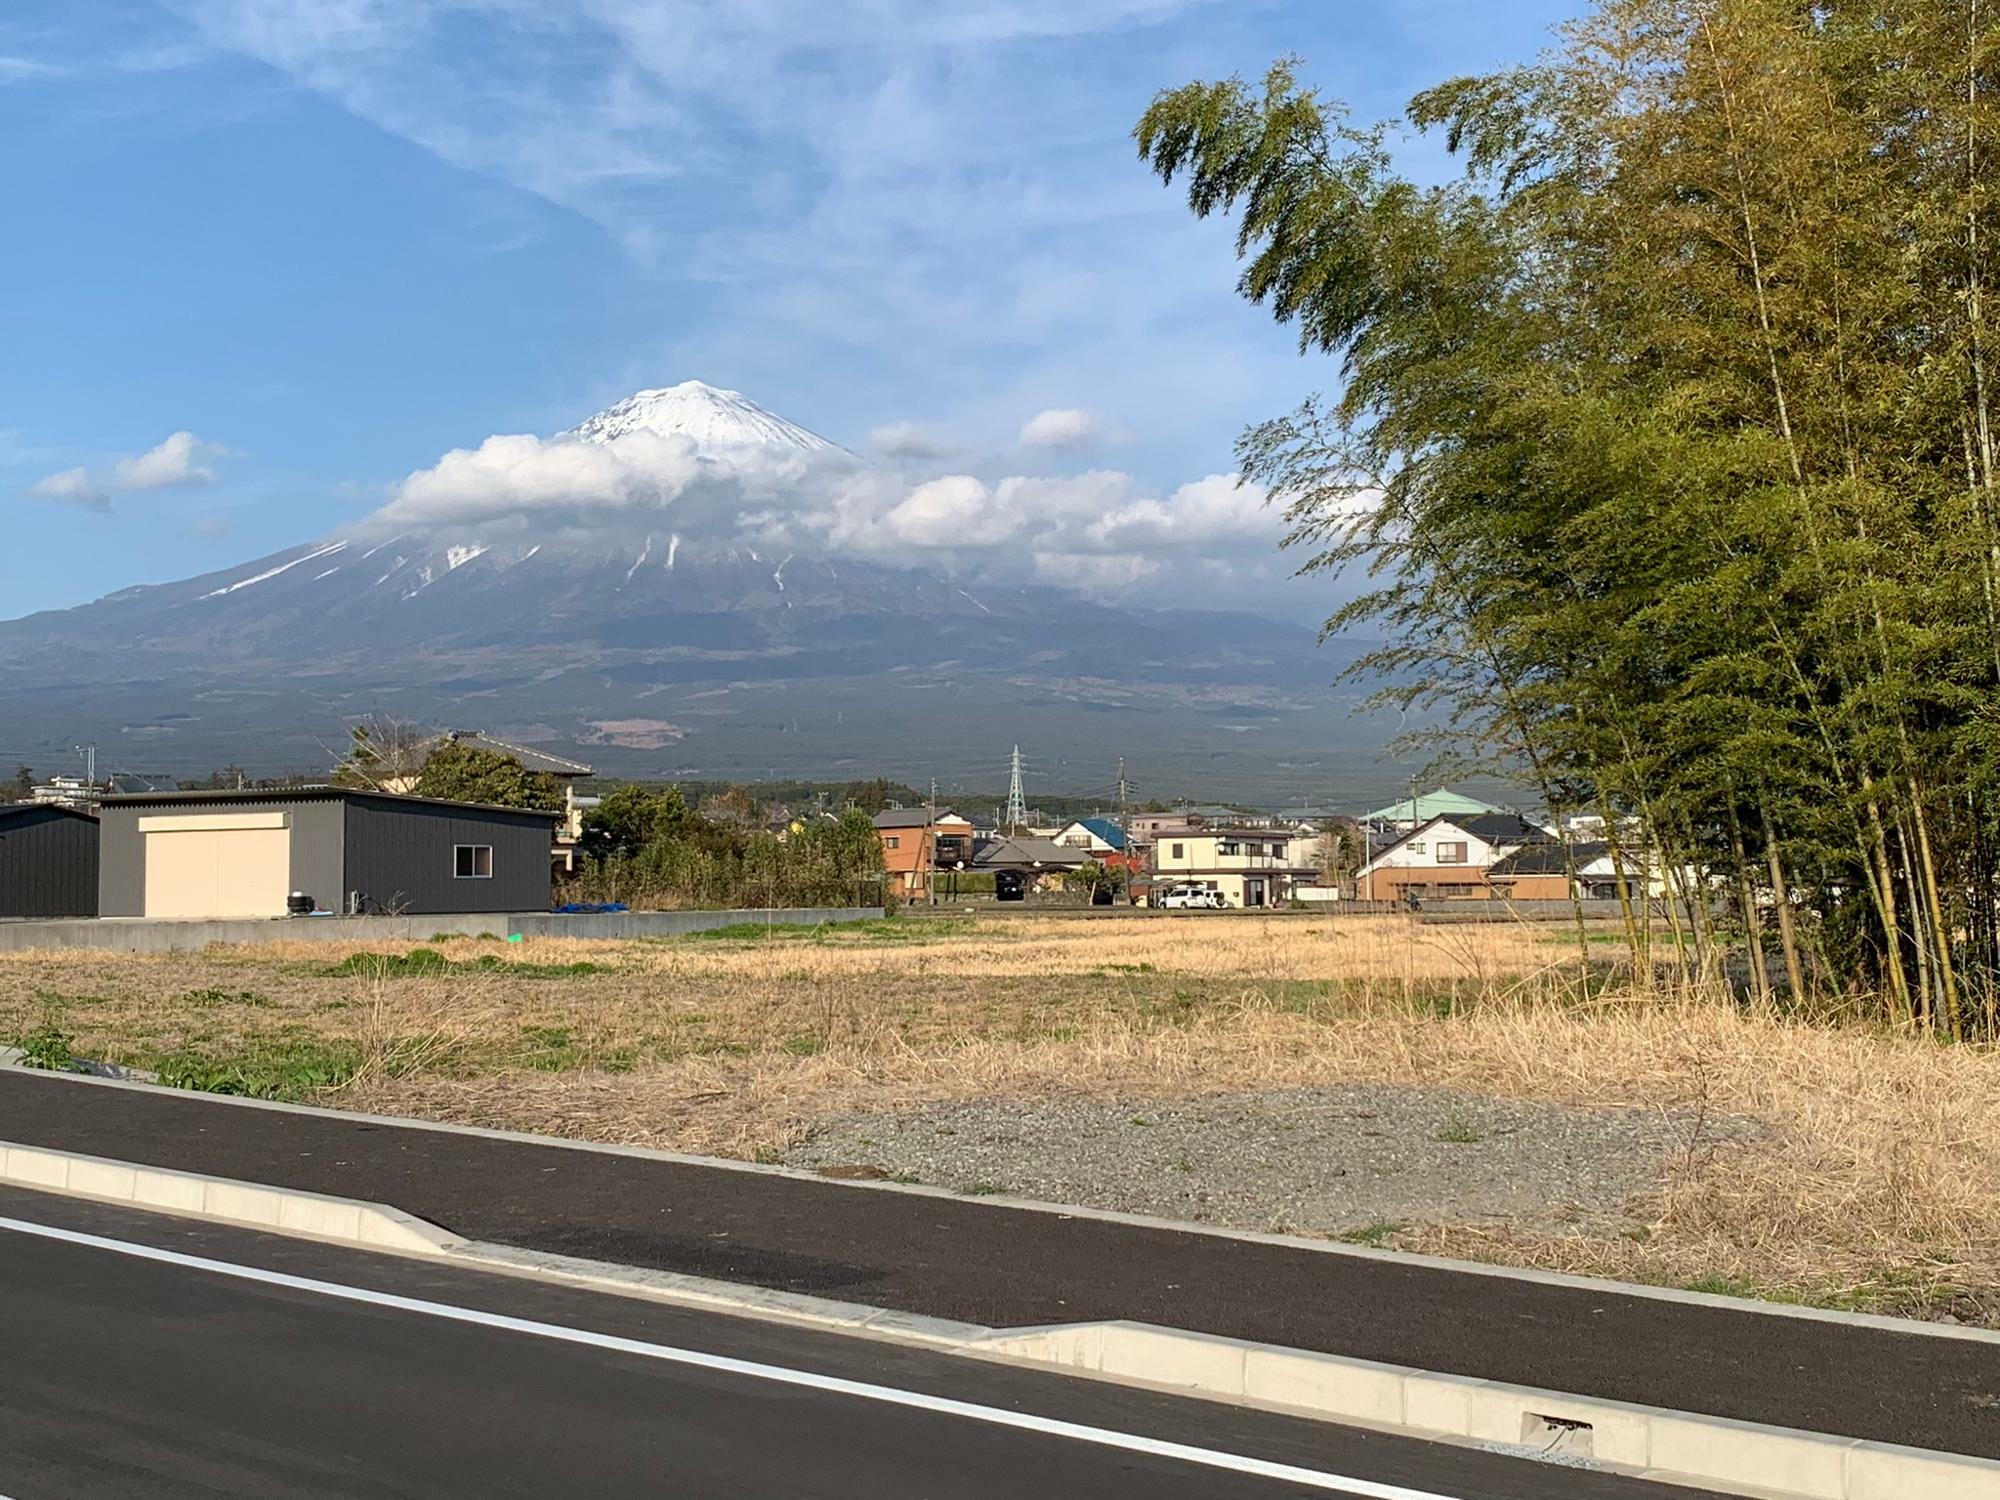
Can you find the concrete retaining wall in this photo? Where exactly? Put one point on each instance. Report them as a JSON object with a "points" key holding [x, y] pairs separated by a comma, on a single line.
{"points": [[137, 935]]}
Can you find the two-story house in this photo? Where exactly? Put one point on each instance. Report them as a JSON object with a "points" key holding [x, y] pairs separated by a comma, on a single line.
{"points": [[1251, 867], [916, 843], [1446, 857]]}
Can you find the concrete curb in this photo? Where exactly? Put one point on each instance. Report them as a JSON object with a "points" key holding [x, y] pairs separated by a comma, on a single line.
{"points": [[1678, 1447], [375, 1226], [1592, 1284]]}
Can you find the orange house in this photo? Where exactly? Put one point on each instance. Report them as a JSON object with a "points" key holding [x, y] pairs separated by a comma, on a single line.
{"points": [[915, 844]]}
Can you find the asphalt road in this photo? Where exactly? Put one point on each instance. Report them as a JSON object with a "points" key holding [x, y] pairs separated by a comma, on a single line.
{"points": [[148, 1356], [986, 1263]]}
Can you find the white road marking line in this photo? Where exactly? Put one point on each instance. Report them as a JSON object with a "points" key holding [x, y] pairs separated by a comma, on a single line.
{"points": [[1366, 1489]]}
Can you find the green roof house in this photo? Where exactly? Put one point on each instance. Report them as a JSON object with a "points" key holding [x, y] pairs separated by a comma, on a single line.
{"points": [[1442, 803]]}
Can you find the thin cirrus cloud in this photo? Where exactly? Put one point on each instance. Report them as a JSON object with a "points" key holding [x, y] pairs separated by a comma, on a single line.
{"points": [[1061, 428], [179, 461]]}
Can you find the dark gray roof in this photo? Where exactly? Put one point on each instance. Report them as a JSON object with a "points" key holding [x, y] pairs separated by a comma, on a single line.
{"points": [[62, 809], [1498, 828], [910, 817], [1547, 858], [309, 794], [1023, 852]]}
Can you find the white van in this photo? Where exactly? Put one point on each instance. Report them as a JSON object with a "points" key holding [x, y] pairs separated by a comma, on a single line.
{"points": [[1191, 897]]}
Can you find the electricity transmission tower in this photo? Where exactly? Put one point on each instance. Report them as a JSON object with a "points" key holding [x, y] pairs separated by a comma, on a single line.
{"points": [[1017, 804]]}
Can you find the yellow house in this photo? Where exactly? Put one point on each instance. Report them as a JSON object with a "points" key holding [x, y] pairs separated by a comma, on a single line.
{"points": [[1251, 867]]}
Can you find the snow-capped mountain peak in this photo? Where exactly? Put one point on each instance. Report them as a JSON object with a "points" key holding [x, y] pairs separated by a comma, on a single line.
{"points": [[705, 415]]}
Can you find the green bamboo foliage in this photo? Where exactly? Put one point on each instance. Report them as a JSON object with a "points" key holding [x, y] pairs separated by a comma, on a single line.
{"points": [[1666, 439]]}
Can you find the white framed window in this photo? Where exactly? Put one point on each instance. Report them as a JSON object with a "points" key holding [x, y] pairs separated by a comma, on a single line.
{"points": [[1451, 854], [472, 861]]}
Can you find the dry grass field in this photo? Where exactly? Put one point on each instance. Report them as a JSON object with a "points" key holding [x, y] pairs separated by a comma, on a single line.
{"points": [[1822, 1160]]}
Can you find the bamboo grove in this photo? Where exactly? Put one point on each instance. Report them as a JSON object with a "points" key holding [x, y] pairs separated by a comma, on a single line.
{"points": [[1666, 434]]}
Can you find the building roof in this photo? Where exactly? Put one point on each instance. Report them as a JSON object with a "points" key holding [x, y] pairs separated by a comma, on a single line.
{"points": [[913, 817], [311, 794], [1024, 852], [1500, 828], [531, 760], [1105, 829], [1442, 803], [134, 781], [1547, 859], [61, 809]]}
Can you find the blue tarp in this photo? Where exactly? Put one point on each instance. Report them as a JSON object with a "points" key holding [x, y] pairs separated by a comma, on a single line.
{"points": [[590, 908]]}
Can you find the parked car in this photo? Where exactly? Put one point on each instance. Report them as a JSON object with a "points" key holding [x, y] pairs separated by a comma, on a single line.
{"points": [[1191, 897]]}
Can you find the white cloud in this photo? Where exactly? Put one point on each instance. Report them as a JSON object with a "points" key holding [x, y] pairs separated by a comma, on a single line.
{"points": [[73, 487], [181, 460], [575, 482], [905, 440], [1101, 530], [178, 460], [954, 513], [1059, 427]]}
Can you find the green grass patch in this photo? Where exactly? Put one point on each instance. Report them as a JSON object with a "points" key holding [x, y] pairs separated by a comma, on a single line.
{"points": [[872, 931], [288, 1068], [427, 963], [1457, 1132], [1375, 1235], [803, 1044], [46, 1045]]}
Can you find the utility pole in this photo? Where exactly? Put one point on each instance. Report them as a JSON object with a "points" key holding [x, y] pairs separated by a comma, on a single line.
{"points": [[1017, 804]]}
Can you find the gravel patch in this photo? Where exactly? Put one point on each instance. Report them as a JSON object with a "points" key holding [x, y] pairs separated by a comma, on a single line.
{"points": [[1352, 1160]]}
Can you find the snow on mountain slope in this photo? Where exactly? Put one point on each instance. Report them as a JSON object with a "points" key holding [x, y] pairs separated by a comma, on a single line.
{"points": [[706, 416]]}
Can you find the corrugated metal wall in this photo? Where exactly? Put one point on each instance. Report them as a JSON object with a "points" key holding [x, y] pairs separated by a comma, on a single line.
{"points": [[400, 856], [317, 827], [48, 863]]}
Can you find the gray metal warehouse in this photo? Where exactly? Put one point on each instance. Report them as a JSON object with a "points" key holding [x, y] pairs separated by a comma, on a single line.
{"points": [[202, 855], [48, 861]]}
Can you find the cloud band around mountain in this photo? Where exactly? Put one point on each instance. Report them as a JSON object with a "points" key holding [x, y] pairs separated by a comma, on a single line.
{"points": [[1101, 529]]}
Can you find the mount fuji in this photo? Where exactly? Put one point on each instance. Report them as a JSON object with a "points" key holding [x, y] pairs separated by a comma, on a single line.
{"points": [[647, 651], [705, 415]]}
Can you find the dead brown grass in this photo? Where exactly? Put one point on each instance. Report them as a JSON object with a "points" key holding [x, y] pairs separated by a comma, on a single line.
{"points": [[1875, 1179]]}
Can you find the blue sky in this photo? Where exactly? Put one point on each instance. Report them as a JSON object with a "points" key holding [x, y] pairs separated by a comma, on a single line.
{"points": [[268, 257]]}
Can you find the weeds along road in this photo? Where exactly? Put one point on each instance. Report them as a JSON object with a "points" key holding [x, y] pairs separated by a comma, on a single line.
{"points": [[153, 1356]]}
